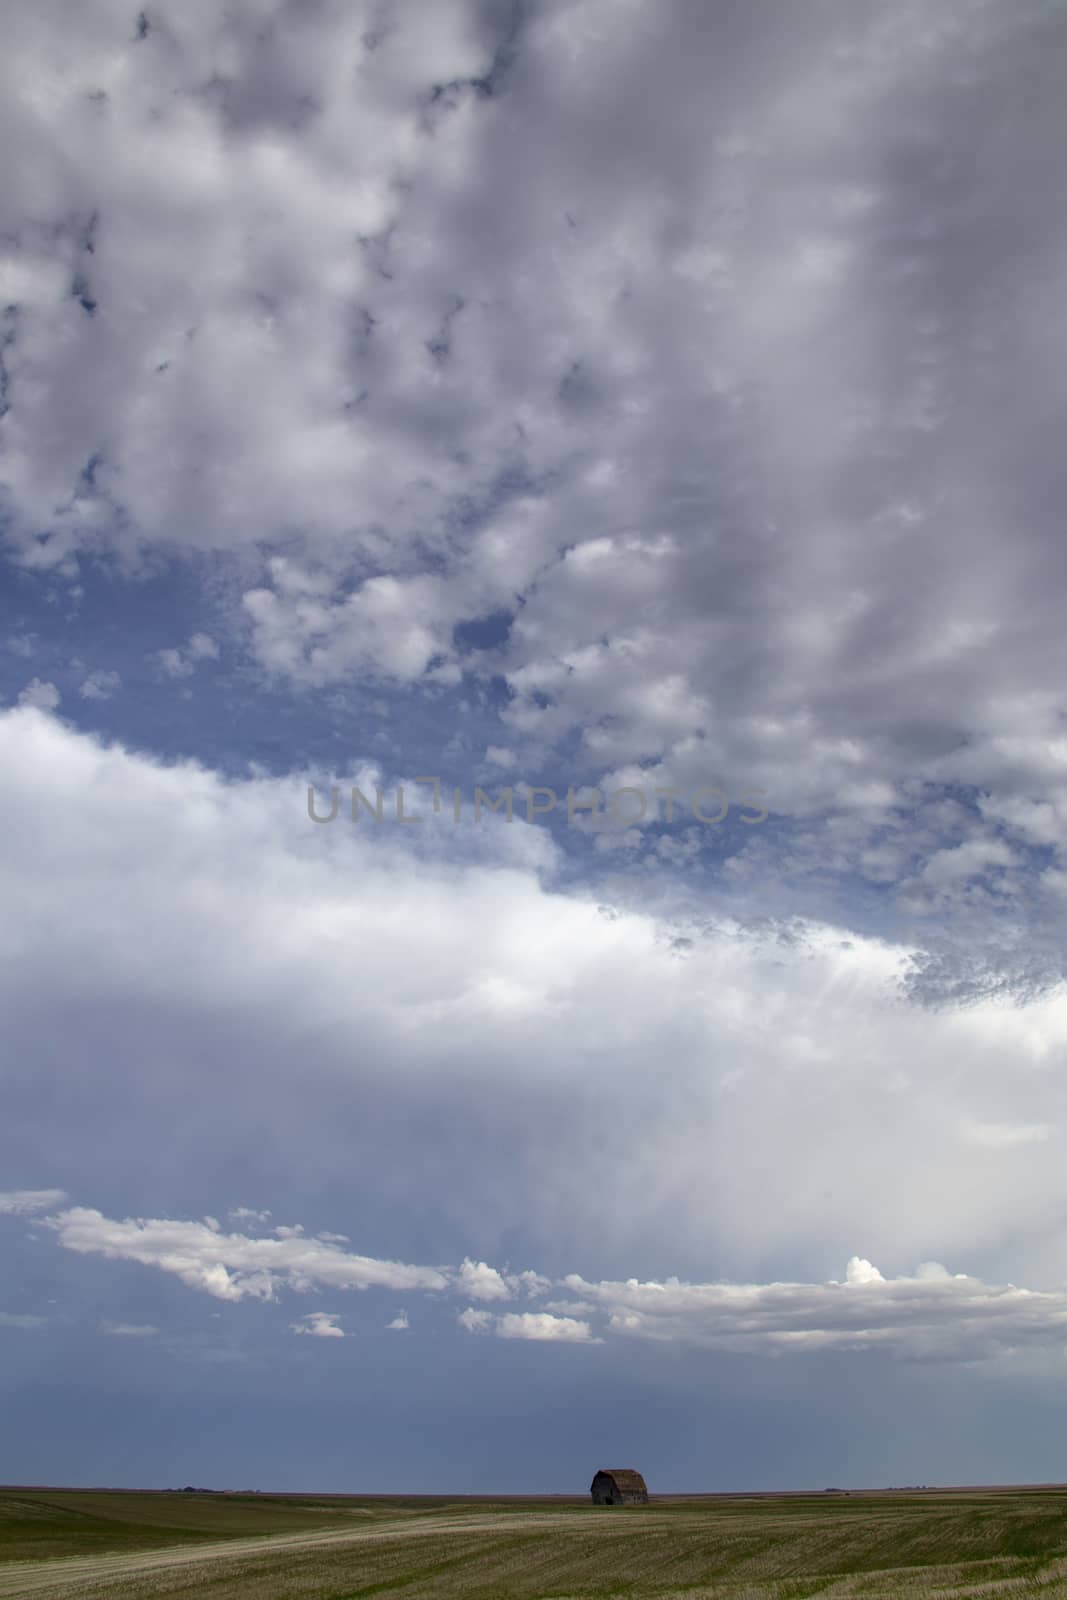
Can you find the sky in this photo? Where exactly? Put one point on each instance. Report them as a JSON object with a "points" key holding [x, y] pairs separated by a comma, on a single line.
{"points": [[533, 744]]}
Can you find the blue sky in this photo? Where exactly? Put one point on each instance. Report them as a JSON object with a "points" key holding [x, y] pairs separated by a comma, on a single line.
{"points": [[574, 397]]}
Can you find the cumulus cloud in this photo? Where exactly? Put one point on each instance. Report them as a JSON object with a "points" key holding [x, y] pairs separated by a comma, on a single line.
{"points": [[542, 1325], [319, 1325], [99, 685], [182, 661], [861, 1271], [41, 694], [400, 1322], [498, 756], [473, 1320], [482, 1282], [479, 1281]]}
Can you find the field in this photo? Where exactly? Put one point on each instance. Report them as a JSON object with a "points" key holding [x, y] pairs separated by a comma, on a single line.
{"points": [[55, 1544]]}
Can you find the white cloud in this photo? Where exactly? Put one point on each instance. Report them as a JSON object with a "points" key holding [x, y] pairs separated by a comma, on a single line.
{"points": [[233, 1266], [43, 695], [861, 1271], [948, 867], [182, 661], [100, 685], [475, 1321], [174, 664], [478, 1281], [931, 1314], [389, 627], [21, 644], [481, 1282], [24, 1202], [542, 1325], [129, 1330], [319, 1325], [19, 1319], [531, 1283]]}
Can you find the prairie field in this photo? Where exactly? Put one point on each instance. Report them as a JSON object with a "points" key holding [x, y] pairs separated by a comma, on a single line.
{"points": [[95, 1544]]}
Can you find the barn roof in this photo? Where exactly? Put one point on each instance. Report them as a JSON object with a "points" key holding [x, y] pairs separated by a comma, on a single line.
{"points": [[625, 1477]]}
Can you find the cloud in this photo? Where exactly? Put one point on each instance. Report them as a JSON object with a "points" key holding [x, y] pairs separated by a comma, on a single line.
{"points": [[45, 696], [232, 1266], [861, 1271], [13, 1319], [531, 1283], [828, 542], [319, 1325], [542, 1325], [100, 685], [183, 661], [24, 1202], [479, 1281], [471, 443], [129, 1330], [482, 1282], [794, 1039], [388, 628], [21, 644], [930, 1315], [475, 1321]]}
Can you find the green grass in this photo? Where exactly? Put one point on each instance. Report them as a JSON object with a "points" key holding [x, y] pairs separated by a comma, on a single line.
{"points": [[990, 1543]]}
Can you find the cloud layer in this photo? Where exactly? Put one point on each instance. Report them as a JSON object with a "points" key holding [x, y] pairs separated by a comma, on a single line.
{"points": [[768, 1090], [684, 345], [930, 1315]]}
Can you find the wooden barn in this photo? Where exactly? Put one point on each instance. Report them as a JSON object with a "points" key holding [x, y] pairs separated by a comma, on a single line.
{"points": [[618, 1486]]}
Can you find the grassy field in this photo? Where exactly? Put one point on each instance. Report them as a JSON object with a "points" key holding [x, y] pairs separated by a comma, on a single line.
{"points": [[98, 1544]]}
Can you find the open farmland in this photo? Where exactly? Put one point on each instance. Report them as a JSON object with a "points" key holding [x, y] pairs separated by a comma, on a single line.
{"points": [[56, 1543]]}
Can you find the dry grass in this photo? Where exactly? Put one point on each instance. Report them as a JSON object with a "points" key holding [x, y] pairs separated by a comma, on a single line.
{"points": [[787, 1548]]}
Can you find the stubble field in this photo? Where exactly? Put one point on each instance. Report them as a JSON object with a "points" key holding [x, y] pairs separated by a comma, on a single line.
{"points": [[55, 1544]]}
